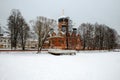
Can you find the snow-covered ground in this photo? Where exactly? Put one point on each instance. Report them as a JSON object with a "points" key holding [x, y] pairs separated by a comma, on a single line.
{"points": [[83, 66]]}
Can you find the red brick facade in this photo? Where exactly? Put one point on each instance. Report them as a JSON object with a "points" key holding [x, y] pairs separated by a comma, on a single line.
{"points": [[64, 39]]}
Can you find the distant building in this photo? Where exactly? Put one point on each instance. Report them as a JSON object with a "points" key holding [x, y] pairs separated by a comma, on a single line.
{"points": [[1, 34], [118, 46], [31, 43], [5, 41]]}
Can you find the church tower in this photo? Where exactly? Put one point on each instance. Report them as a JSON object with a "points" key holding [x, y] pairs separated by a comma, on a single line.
{"points": [[63, 26], [63, 23], [65, 37]]}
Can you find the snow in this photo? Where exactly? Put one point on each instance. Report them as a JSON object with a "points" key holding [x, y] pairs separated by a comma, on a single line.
{"points": [[83, 66], [63, 16]]}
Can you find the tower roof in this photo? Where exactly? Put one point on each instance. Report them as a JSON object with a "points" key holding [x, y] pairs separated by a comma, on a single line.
{"points": [[63, 16]]}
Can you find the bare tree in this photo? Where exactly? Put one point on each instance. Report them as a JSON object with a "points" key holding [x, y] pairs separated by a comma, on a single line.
{"points": [[112, 43], [97, 36], [86, 32], [13, 25], [23, 34], [89, 36], [18, 29], [82, 31], [42, 27]]}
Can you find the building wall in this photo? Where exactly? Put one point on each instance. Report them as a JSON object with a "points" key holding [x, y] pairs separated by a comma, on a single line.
{"points": [[74, 43], [5, 42], [65, 40], [57, 42]]}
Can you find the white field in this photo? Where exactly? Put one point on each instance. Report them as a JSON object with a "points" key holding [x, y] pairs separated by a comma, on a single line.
{"points": [[83, 66]]}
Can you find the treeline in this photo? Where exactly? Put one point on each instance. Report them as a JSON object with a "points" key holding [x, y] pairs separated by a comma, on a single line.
{"points": [[93, 36], [42, 27], [20, 31], [97, 36]]}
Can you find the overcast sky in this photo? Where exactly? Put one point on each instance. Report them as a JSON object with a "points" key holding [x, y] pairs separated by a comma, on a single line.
{"points": [[101, 11]]}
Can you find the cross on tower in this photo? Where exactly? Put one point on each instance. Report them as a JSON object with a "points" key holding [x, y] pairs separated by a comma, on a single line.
{"points": [[63, 12]]}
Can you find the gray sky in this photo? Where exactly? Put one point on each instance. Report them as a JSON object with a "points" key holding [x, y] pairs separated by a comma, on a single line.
{"points": [[101, 11]]}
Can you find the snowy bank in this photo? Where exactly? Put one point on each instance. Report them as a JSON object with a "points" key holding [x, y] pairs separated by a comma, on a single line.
{"points": [[82, 66]]}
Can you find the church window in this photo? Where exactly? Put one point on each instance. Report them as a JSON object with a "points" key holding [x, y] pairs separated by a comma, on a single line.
{"points": [[61, 41], [64, 28]]}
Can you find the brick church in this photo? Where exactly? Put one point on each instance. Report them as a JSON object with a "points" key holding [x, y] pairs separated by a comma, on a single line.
{"points": [[65, 37]]}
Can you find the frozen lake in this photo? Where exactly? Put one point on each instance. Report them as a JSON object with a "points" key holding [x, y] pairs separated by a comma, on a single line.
{"points": [[83, 66]]}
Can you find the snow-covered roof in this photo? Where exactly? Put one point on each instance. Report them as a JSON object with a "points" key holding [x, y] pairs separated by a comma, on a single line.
{"points": [[63, 16], [56, 36], [6, 35]]}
